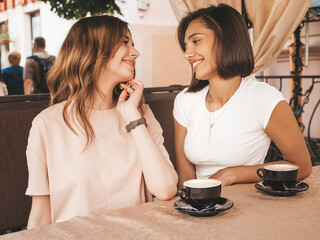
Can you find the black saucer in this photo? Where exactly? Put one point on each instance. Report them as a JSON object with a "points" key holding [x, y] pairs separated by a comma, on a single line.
{"points": [[300, 187], [221, 205]]}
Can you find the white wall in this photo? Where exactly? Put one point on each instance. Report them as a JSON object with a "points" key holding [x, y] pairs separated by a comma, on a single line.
{"points": [[161, 62], [158, 13], [54, 29]]}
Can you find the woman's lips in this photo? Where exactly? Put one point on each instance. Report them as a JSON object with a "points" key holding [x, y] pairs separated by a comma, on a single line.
{"points": [[131, 63], [196, 63]]}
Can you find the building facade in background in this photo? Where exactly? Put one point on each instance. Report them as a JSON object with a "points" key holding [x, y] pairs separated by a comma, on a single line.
{"points": [[26, 19], [152, 23]]}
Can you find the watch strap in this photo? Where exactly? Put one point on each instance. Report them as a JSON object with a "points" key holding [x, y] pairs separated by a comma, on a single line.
{"points": [[135, 123]]}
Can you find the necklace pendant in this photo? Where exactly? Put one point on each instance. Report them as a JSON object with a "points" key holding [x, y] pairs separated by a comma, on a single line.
{"points": [[211, 125]]}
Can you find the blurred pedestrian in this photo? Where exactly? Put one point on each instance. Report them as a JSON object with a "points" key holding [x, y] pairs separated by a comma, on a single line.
{"points": [[37, 67], [12, 76]]}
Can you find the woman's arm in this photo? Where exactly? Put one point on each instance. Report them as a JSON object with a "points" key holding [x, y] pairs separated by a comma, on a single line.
{"points": [[40, 213], [185, 168], [161, 178], [284, 131]]}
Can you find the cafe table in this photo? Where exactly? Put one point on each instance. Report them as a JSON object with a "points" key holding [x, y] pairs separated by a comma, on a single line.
{"points": [[254, 215]]}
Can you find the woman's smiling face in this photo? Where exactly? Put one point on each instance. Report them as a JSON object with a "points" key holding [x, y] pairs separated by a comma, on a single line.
{"points": [[121, 66], [201, 49]]}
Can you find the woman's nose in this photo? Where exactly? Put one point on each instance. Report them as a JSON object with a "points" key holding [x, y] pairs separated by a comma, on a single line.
{"points": [[134, 53], [188, 53]]}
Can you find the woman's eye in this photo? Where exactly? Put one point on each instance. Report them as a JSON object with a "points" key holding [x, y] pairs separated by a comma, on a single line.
{"points": [[125, 42], [195, 41]]}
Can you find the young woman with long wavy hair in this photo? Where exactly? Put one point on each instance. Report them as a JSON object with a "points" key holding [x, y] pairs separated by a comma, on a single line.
{"points": [[96, 148]]}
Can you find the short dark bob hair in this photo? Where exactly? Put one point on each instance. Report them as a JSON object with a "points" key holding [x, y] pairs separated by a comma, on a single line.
{"points": [[234, 51]]}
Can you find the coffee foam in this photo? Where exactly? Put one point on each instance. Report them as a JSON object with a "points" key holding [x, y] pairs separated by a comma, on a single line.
{"points": [[281, 167], [202, 183]]}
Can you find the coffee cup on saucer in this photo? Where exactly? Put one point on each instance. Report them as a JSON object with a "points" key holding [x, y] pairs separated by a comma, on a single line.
{"points": [[279, 176], [201, 193]]}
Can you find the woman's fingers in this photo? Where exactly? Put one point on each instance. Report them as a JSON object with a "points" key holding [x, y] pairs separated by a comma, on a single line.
{"points": [[134, 90], [127, 88], [126, 105], [123, 96], [135, 83]]}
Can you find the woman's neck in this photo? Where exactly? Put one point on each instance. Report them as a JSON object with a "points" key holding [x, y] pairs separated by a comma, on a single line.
{"points": [[220, 91], [103, 100]]}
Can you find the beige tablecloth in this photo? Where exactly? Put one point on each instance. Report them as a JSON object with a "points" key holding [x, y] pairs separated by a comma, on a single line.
{"points": [[254, 215]]}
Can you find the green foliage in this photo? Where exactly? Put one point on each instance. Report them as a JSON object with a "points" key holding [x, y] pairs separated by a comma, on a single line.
{"points": [[76, 9]]}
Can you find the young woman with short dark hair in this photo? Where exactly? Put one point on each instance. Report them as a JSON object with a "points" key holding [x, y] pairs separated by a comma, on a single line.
{"points": [[224, 123]]}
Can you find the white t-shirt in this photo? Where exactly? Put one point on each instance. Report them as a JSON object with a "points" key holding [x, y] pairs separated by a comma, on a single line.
{"points": [[237, 137]]}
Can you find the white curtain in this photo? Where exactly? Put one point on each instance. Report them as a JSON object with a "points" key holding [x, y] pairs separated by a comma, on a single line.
{"points": [[273, 22]]}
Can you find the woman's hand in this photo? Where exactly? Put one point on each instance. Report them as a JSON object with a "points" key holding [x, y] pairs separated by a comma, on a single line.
{"points": [[129, 108], [227, 176]]}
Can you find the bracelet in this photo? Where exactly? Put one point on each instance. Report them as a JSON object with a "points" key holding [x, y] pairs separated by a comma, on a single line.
{"points": [[135, 123]]}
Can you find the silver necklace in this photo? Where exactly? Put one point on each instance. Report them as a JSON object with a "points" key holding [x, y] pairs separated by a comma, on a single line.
{"points": [[210, 127], [211, 124]]}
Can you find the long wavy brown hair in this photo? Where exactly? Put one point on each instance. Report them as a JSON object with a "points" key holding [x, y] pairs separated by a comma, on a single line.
{"points": [[90, 43]]}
